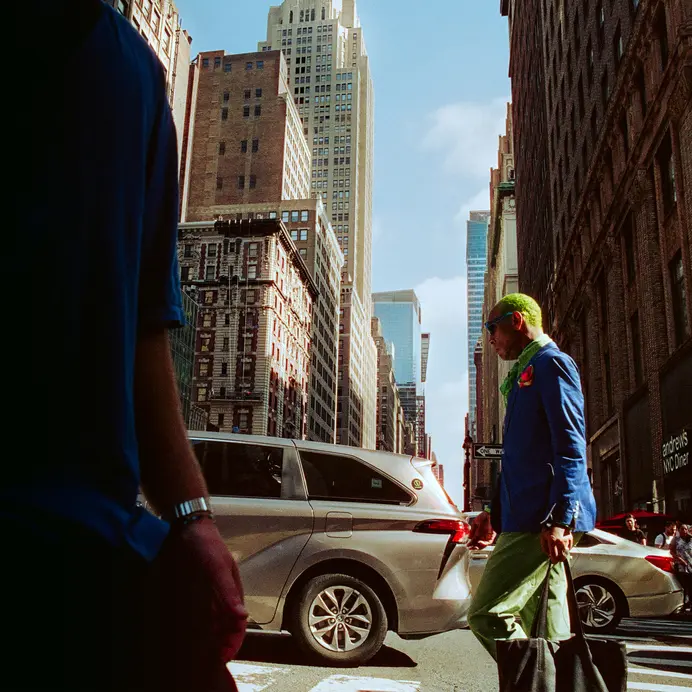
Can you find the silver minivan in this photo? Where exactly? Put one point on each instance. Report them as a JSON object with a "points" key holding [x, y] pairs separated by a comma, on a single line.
{"points": [[337, 545]]}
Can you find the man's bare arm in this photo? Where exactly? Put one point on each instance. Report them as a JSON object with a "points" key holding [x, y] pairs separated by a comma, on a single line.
{"points": [[169, 469]]}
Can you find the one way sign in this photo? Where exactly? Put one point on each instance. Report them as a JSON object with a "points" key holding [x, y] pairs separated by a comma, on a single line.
{"points": [[482, 450]]}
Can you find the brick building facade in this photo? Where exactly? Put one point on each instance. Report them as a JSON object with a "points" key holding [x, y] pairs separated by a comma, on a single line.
{"points": [[256, 298], [618, 104], [244, 141]]}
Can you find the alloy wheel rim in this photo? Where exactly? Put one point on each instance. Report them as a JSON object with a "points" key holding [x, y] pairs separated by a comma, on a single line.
{"points": [[340, 619], [597, 606]]}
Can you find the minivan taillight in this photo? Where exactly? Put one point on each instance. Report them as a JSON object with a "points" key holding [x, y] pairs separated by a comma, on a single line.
{"points": [[663, 562], [457, 529]]}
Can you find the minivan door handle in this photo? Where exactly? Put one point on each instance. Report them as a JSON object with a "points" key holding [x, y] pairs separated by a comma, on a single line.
{"points": [[339, 525]]}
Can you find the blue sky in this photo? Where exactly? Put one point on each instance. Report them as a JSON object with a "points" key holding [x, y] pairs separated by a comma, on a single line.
{"points": [[440, 75]]}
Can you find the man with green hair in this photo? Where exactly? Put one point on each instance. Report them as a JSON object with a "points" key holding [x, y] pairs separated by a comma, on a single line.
{"points": [[545, 497]]}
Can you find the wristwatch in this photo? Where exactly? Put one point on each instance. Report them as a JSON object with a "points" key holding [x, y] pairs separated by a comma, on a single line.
{"points": [[190, 510]]}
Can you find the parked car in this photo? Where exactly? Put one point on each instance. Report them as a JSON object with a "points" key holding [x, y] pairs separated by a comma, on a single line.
{"points": [[614, 578], [338, 545]]}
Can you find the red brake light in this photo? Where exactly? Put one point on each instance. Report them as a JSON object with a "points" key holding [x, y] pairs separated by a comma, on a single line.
{"points": [[663, 562], [457, 529]]}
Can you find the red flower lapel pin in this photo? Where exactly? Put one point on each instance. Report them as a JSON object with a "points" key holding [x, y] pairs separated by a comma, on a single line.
{"points": [[526, 377]]}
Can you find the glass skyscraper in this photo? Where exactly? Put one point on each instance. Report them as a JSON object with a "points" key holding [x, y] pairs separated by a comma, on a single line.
{"points": [[476, 262], [400, 315]]}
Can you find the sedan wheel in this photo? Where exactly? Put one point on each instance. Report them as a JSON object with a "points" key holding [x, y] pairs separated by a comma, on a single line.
{"points": [[339, 619], [599, 607]]}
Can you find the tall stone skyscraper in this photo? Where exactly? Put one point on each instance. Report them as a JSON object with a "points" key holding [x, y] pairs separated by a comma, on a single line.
{"points": [[476, 261], [330, 81]]}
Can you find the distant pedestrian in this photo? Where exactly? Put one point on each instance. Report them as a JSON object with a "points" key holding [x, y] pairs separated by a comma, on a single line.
{"points": [[546, 502], [98, 594], [631, 532], [681, 549], [663, 540]]}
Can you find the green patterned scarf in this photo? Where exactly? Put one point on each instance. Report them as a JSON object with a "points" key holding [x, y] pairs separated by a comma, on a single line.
{"points": [[524, 357]]}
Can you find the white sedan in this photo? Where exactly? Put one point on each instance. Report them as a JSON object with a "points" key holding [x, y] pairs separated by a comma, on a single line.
{"points": [[614, 578]]}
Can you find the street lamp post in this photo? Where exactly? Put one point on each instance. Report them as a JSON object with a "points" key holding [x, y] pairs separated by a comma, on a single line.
{"points": [[467, 447]]}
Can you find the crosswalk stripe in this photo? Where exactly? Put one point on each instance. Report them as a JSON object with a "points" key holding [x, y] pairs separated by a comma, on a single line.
{"points": [[653, 687], [250, 678], [661, 648], [636, 670], [348, 683]]}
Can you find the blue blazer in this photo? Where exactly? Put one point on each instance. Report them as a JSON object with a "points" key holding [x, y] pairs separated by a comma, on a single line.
{"points": [[544, 474]]}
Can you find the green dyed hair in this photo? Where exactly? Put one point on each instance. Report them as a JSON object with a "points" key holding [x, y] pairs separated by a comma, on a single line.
{"points": [[526, 305]]}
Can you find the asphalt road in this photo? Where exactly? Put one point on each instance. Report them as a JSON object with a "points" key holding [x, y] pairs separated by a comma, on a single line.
{"points": [[659, 652]]}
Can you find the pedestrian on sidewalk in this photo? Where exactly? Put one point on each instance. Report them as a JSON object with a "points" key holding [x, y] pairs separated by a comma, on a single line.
{"points": [[98, 594], [663, 540], [681, 549], [632, 532], [545, 497]]}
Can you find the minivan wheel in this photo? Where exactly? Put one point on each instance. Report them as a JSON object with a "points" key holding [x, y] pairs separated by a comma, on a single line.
{"points": [[600, 606], [339, 620]]}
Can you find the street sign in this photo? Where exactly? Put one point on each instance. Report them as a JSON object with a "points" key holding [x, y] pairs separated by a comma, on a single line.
{"points": [[482, 450]]}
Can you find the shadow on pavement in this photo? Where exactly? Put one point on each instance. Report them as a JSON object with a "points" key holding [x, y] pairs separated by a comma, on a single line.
{"points": [[270, 648], [671, 662]]}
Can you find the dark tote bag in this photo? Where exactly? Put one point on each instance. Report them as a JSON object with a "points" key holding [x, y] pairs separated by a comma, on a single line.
{"points": [[575, 665]]}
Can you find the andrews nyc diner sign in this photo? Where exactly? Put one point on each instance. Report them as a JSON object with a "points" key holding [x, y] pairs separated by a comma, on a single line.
{"points": [[676, 452]]}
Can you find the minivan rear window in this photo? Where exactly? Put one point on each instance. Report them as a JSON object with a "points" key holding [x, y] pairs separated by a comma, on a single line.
{"points": [[336, 477], [240, 470]]}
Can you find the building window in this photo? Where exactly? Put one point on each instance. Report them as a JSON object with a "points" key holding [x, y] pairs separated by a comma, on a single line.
{"points": [[210, 272], [679, 294], [217, 62], [248, 65], [255, 145], [222, 148], [226, 343], [185, 274], [203, 370], [637, 363], [219, 182], [188, 251], [258, 93], [211, 250], [241, 182], [285, 216], [205, 62], [224, 369], [224, 114], [618, 47], [201, 394], [295, 217], [260, 64], [246, 111], [220, 420], [146, 8], [252, 271], [247, 94], [666, 165], [303, 252], [226, 97], [227, 67], [227, 320], [629, 241], [258, 111], [600, 18], [243, 146], [304, 215], [661, 29], [253, 182], [122, 7], [303, 234]]}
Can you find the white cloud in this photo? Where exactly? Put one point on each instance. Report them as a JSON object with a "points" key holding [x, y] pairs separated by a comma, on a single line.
{"points": [[479, 202], [443, 304], [466, 135]]}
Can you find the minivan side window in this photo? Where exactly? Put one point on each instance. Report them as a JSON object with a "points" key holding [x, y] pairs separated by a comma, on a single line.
{"points": [[333, 477], [232, 469]]}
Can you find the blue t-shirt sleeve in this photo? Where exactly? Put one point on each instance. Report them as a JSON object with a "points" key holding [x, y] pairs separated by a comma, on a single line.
{"points": [[160, 300]]}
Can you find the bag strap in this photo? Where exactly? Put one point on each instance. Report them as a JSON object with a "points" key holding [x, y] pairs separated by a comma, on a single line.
{"points": [[540, 622]]}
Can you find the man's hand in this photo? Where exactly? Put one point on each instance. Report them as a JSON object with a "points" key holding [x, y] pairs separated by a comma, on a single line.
{"points": [[202, 549], [557, 543]]}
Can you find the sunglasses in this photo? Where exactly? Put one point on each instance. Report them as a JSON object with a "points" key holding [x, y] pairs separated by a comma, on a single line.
{"points": [[492, 325]]}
